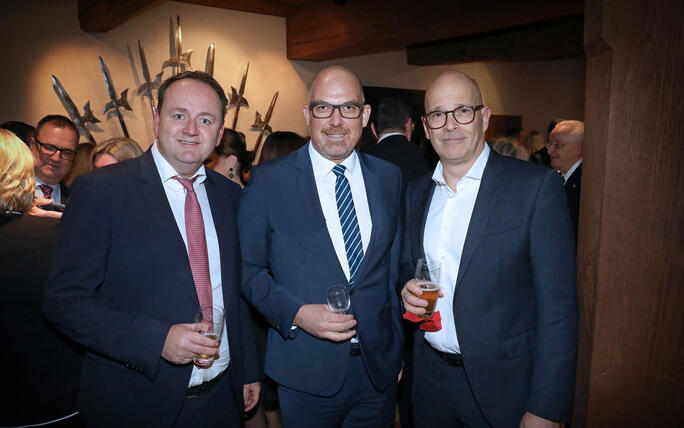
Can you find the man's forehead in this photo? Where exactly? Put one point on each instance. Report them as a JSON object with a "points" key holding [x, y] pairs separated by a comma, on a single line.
{"points": [[452, 89], [57, 135]]}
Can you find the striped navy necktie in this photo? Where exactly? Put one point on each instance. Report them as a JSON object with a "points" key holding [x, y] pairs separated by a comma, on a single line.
{"points": [[350, 225]]}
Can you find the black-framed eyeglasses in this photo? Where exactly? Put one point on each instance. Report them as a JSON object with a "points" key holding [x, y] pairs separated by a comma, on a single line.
{"points": [[557, 146], [462, 115], [322, 110], [49, 150]]}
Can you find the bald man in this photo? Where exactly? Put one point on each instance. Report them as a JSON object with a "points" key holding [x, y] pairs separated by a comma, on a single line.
{"points": [[327, 215], [506, 350]]}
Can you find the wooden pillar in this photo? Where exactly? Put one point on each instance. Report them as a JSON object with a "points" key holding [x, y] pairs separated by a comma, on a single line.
{"points": [[631, 249]]}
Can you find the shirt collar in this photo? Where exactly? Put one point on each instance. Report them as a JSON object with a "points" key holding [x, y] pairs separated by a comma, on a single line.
{"points": [[571, 170], [167, 172], [322, 166], [474, 173], [388, 135]]}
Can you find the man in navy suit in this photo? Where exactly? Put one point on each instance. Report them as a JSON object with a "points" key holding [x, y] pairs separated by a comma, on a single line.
{"points": [[332, 369], [506, 350], [141, 239]]}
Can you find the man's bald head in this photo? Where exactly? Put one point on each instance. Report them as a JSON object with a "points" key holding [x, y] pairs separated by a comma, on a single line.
{"points": [[454, 80], [336, 73]]}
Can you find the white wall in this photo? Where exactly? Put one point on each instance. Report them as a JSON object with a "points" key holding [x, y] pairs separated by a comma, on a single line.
{"points": [[42, 38]]}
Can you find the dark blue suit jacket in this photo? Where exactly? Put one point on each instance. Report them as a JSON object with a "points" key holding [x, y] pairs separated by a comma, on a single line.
{"points": [[120, 279], [288, 260], [515, 304]]}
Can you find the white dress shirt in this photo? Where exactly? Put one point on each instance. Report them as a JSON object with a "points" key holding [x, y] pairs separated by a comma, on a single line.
{"points": [[572, 169], [325, 184], [445, 233], [388, 135], [56, 195], [175, 193]]}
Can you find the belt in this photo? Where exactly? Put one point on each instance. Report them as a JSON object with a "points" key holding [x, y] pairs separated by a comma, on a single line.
{"points": [[453, 360], [195, 391], [355, 350]]}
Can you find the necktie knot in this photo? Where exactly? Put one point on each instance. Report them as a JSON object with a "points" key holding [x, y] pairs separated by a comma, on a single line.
{"points": [[47, 190], [186, 182], [339, 170]]}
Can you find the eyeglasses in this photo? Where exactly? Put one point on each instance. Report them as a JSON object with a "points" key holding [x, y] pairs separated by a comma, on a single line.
{"points": [[49, 150], [321, 110], [461, 114], [557, 146]]}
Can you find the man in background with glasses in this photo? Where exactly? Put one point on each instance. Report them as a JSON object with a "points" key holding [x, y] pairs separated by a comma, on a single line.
{"points": [[565, 150], [54, 149], [505, 353], [327, 215]]}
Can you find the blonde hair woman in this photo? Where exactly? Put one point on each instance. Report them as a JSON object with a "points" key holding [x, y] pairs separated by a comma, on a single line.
{"points": [[17, 179], [114, 150]]}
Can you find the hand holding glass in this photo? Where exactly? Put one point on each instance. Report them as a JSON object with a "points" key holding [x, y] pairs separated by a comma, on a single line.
{"points": [[338, 299], [211, 318], [427, 278]]}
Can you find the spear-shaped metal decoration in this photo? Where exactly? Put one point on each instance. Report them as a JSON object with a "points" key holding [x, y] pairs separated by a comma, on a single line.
{"points": [[259, 124], [146, 88], [179, 60], [209, 64], [267, 119], [79, 121], [115, 102], [237, 98]]}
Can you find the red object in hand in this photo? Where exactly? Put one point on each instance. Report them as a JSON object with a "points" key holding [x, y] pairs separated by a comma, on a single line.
{"points": [[434, 323]]}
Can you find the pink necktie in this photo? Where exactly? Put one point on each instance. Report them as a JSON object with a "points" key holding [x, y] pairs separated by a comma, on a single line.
{"points": [[197, 245], [47, 190]]}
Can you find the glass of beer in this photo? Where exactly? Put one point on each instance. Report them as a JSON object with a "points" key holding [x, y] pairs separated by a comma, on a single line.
{"points": [[211, 318], [427, 278], [338, 298]]}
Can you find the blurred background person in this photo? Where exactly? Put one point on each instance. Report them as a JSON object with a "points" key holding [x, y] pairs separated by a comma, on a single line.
{"points": [[24, 131], [533, 142], [113, 151], [231, 157], [43, 385], [81, 163], [516, 134], [508, 147], [279, 144]]}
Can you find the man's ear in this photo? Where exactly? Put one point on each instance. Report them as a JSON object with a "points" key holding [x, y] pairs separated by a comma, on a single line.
{"points": [[486, 114], [307, 115], [408, 128], [220, 135], [156, 123], [366, 114]]}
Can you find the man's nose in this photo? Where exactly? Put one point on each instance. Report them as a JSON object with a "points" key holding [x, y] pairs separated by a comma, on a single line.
{"points": [[336, 119], [191, 128], [451, 123]]}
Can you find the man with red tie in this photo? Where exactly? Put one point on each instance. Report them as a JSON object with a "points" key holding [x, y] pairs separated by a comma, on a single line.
{"points": [[146, 242]]}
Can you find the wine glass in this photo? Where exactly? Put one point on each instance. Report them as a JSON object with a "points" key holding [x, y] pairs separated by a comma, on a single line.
{"points": [[338, 298]]}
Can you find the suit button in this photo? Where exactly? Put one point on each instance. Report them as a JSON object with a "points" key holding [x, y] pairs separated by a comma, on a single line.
{"points": [[351, 292]]}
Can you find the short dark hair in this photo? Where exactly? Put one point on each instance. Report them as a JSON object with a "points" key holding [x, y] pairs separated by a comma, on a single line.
{"points": [[279, 144], [58, 121], [391, 113], [195, 75], [23, 130]]}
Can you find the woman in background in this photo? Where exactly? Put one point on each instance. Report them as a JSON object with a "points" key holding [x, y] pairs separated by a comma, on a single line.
{"points": [[114, 150], [231, 158], [279, 144], [43, 369]]}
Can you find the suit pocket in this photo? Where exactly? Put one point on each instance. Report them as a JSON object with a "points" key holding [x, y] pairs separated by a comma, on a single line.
{"points": [[520, 344], [507, 226]]}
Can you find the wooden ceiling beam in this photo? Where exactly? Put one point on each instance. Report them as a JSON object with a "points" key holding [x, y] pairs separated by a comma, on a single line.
{"points": [[321, 31], [264, 7], [559, 38], [103, 15]]}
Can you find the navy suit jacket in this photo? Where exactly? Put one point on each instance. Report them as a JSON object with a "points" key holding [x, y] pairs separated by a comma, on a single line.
{"points": [[573, 188], [288, 260], [515, 303], [120, 279]]}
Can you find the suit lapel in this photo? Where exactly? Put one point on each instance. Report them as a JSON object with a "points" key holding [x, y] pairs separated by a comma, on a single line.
{"points": [[220, 206], [170, 239], [486, 196], [377, 208], [311, 206], [423, 197]]}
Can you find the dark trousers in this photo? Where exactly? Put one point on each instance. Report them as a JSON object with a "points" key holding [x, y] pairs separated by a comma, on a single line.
{"points": [[442, 396], [356, 405], [214, 408]]}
